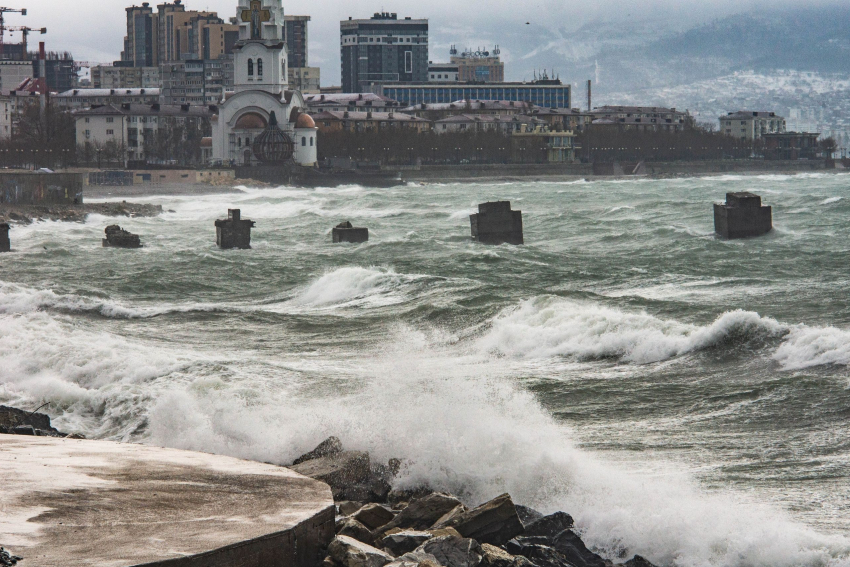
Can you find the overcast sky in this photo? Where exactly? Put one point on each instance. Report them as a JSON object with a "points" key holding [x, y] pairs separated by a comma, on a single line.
{"points": [[93, 30]]}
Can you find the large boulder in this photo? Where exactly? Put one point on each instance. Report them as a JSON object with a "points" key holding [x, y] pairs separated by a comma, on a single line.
{"points": [[39, 423], [354, 529], [422, 513], [404, 541], [339, 470], [373, 489], [527, 515], [550, 526], [569, 544], [494, 522], [373, 516], [329, 447], [348, 552], [450, 516], [453, 551], [492, 556]]}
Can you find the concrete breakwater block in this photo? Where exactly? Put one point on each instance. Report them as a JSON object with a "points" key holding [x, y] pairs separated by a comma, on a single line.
{"points": [[99, 503], [5, 243], [117, 237], [346, 232], [234, 231], [496, 223], [742, 216]]}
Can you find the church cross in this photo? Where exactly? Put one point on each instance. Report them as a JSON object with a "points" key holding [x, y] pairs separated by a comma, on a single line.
{"points": [[256, 15]]}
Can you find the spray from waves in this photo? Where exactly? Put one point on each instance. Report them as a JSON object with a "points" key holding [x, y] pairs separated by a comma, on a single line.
{"points": [[544, 327], [464, 426], [830, 200], [357, 286]]}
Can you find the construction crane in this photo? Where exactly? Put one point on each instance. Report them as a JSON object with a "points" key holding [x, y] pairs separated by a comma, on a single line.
{"points": [[25, 31], [3, 11]]}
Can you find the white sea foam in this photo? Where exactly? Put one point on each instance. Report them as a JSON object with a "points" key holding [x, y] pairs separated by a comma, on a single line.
{"points": [[830, 200], [547, 326], [806, 347]]}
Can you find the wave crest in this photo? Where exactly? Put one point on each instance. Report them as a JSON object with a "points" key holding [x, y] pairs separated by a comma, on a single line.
{"points": [[544, 327]]}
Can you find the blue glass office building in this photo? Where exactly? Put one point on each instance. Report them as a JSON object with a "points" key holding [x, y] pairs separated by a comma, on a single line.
{"points": [[548, 94]]}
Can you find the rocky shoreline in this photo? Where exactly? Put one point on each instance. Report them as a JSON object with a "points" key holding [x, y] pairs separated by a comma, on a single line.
{"points": [[381, 526], [26, 214]]}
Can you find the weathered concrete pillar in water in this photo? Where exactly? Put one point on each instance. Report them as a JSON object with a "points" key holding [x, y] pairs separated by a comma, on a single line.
{"points": [[234, 231], [742, 216], [117, 237], [496, 223], [346, 232], [5, 244]]}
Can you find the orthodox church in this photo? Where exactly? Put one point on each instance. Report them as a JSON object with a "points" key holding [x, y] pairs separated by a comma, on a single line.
{"points": [[261, 121]]}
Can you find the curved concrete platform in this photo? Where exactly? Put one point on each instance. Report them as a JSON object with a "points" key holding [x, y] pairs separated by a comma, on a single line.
{"points": [[104, 504]]}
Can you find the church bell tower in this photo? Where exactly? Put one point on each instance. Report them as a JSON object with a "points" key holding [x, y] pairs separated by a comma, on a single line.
{"points": [[260, 54]]}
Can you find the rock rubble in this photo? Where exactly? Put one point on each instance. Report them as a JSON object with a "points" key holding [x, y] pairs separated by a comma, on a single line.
{"points": [[381, 527]]}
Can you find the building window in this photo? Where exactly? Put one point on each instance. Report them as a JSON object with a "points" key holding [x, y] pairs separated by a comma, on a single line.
{"points": [[110, 119], [311, 141], [87, 120], [259, 67], [303, 141], [110, 132], [239, 142], [250, 67], [408, 61]]}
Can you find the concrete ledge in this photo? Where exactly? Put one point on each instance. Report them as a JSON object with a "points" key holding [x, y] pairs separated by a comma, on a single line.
{"points": [[103, 504]]}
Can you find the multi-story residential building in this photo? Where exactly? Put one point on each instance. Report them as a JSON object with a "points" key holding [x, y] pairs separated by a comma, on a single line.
{"points": [[383, 49], [545, 93], [134, 127], [296, 40], [302, 77], [791, 145], [487, 122], [340, 102], [359, 121], [121, 77], [87, 98], [207, 37], [141, 41], [196, 82], [438, 111], [645, 118], [14, 73], [749, 125], [61, 71], [173, 33]]}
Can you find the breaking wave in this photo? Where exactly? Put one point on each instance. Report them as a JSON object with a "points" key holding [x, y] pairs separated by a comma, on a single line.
{"points": [[357, 286], [807, 347], [548, 326]]}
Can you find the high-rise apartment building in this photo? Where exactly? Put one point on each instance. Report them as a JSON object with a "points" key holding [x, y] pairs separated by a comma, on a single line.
{"points": [[296, 39], [383, 49], [173, 32], [140, 43], [479, 66]]}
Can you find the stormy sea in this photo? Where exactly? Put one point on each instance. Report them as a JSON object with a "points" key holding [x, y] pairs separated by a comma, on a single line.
{"points": [[684, 397]]}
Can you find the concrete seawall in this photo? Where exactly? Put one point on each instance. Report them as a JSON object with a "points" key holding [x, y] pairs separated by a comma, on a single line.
{"points": [[98, 504], [22, 188]]}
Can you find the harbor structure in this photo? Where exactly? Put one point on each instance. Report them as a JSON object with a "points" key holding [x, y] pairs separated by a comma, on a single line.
{"points": [[742, 216], [117, 237], [496, 223], [234, 231], [346, 232], [5, 243]]}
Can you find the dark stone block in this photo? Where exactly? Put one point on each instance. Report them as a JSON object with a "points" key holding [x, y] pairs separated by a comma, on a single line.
{"points": [[38, 423], [346, 232], [496, 223], [742, 216], [569, 544], [5, 243], [550, 526], [234, 231], [116, 237]]}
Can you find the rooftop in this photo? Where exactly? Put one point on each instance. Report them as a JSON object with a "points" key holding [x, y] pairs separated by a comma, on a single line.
{"points": [[358, 116], [109, 92], [148, 110]]}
